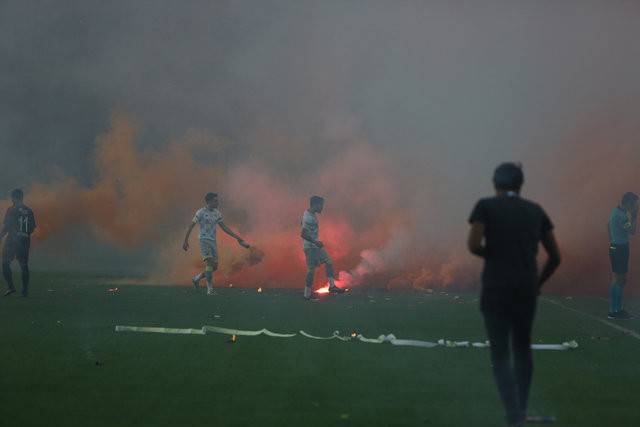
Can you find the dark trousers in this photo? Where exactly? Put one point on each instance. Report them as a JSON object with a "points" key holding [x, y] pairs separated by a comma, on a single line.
{"points": [[508, 316], [8, 276]]}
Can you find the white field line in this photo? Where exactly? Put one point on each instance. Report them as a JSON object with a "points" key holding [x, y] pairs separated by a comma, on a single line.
{"points": [[603, 321]]}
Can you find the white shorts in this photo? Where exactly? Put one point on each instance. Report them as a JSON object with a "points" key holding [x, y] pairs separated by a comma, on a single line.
{"points": [[208, 249], [316, 256]]}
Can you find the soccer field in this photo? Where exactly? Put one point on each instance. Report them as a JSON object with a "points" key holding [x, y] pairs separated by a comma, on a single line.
{"points": [[63, 363]]}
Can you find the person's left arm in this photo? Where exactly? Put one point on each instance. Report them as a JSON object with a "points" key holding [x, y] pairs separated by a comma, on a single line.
{"points": [[230, 232], [475, 241], [553, 257], [33, 221]]}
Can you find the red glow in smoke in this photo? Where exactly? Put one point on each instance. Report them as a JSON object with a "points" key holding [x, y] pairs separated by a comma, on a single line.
{"points": [[380, 232]]}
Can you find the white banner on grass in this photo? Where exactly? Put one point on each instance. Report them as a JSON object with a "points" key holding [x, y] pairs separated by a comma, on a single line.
{"points": [[390, 338], [159, 330]]}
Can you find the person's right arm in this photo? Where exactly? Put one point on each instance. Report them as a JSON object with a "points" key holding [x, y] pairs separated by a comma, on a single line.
{"points": [[475, 239], [185, 244]]}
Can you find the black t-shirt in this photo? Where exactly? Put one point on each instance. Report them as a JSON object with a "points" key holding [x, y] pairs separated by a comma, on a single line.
{"points": [[19, 222], [513, 229]]}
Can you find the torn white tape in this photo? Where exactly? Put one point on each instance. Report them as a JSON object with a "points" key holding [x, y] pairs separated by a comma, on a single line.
{"points": [[390, 338], [159, 330], [567, 345], [414, 343], [335, 335], [228, 331]]}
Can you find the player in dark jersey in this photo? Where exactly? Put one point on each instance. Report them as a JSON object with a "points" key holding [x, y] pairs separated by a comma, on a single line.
{"points": [[506, 231], [18, 225]]}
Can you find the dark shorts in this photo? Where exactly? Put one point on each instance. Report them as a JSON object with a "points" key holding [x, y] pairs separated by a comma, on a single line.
{"points": [[16, 249], [619, 256]]}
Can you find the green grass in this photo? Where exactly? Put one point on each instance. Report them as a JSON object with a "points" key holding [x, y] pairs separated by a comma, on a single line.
{"points": [[52, 340]]}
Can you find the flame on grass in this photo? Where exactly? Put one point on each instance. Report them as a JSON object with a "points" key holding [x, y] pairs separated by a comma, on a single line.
{"points": [[326, 288], [323, 290]]}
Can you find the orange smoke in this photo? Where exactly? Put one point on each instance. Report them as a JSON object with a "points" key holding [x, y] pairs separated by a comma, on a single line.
{"points": [[134, 195], [381, 229], [137, 197], [585, 179], [145, 198]]}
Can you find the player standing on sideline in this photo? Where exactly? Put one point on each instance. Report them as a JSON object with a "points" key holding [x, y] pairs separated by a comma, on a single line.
{"points": [[313, 248], [505, 231], [623, 222], [207, 218], [19, 223]]}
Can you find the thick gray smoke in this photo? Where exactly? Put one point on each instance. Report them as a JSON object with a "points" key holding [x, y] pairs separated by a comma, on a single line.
{"points": [[116, 117]]}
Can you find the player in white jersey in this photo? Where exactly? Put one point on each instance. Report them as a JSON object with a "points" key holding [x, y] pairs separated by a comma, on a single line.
{"points": [[207, 219], [313, 248]]}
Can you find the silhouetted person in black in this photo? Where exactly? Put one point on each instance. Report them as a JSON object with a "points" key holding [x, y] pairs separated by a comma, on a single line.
{"points": [[505, 231]]}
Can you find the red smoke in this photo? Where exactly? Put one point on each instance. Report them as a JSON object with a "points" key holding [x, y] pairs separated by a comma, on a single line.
{"points": [[144, 199]]}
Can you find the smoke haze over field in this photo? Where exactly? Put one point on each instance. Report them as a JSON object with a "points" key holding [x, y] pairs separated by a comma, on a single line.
{"points": [[117, 117]]}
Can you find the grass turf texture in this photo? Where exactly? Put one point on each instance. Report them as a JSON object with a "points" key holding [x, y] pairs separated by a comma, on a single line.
{"points": [[52, 340]]}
